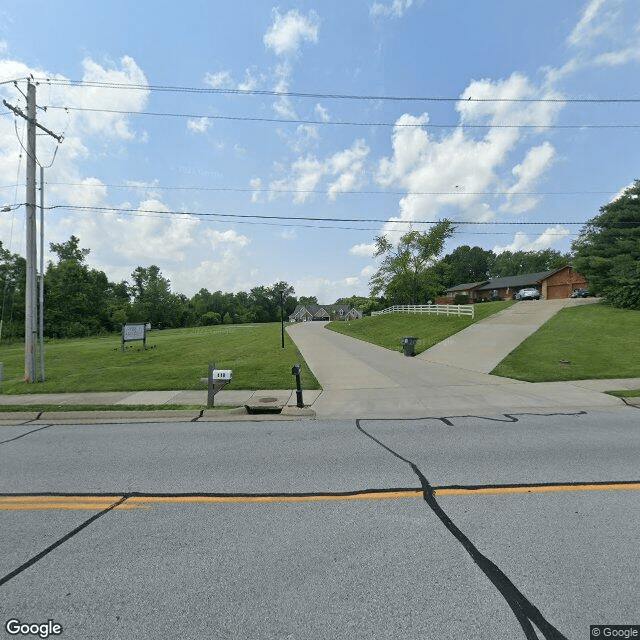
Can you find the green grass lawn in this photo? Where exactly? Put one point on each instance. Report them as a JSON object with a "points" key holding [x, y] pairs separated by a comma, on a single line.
{"points": [[598, 342], [389, 329], [175, 359]]}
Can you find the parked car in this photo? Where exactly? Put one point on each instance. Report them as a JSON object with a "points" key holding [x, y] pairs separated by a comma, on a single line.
{"points": [[528, 294], [580, 293]]}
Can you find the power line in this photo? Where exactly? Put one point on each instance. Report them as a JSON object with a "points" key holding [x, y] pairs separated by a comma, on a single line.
{"points": [[350, 123], [318, 95], [302, 218], [169, 216], [459, 192]]}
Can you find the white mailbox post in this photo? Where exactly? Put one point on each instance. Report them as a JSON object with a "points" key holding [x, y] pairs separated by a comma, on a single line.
{"points": [[218, 378]]}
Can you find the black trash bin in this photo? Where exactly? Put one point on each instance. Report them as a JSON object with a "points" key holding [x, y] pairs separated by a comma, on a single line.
{"points": [[409, 346]]}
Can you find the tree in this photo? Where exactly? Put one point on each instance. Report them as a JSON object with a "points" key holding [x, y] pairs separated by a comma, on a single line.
{"points": [[69, 250], [265, 302], [12, 289], [406, 274], [607, 252], [466, 264], [366, 305], [76, 297], [518, 263], [152, 298]]}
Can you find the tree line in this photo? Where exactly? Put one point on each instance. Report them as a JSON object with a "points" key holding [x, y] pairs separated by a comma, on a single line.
{"points": [[81, 301], [606, 253]]}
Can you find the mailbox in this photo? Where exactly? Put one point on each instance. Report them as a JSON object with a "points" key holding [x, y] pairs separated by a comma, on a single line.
{"points": [[295, 370], [222, 374]]}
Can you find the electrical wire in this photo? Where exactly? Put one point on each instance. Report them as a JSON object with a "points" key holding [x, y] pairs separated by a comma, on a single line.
{"points": [[211, 214], [350, 123], [325, 96], [169, 216], [460, 192]]}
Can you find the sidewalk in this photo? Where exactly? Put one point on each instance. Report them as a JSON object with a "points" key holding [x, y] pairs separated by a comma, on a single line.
{"points": [[226, 397], [267, 405]]}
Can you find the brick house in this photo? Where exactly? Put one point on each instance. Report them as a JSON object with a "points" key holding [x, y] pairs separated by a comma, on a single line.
{"points": [[552, 285]]}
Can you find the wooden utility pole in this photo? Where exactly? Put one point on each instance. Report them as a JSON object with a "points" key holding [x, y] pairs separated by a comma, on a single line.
{"points": [[31, 289]]}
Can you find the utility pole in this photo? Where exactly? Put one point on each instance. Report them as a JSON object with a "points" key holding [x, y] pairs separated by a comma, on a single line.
{"points": [[41, 301], [31, 300]]}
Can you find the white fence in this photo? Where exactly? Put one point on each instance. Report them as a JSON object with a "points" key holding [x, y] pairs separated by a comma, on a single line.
{"points": [[443, 309]]}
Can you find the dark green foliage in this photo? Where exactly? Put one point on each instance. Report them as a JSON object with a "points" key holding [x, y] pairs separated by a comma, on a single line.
{"points": [[407, 274], [607, 253], [366, 305], [521, 262], [12, 284], [466, 264]]}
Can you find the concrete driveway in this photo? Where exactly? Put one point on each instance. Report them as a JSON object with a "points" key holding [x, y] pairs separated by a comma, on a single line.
{"points": [[484, 344], [364, 380]]}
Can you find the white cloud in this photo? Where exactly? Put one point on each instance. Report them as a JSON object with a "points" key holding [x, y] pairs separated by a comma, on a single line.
{"points": [[618, 58], [252, 80], [198, 125], [395, 9], [256, 185], [328, 291], [344, 169], [322, 113], [289, 31], [448, 175], [228, 237], [219, 80], [365, 250], [521, 241], [527, 173], [288, 234], [588, 28]]}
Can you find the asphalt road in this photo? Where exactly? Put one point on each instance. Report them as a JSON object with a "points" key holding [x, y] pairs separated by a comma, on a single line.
{"points": [[495, 527]]}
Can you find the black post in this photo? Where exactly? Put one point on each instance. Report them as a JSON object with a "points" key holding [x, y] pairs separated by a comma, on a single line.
{"points": [[295, 371], [282, 316]]}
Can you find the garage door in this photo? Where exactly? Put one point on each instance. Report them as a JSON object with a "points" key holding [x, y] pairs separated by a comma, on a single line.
{"points": [[558, 291]]}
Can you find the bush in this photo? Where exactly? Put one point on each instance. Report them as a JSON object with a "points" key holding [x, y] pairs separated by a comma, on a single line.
{"points": [[461, 298]]}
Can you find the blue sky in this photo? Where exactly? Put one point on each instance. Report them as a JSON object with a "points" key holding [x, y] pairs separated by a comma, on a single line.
{"points": [[529, 158]]}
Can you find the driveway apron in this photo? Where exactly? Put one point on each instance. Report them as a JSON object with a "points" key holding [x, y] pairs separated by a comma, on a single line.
{"points": [[364, 380]]}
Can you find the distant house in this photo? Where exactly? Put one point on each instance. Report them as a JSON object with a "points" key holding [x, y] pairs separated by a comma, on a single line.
{"points": [[552, 285], [310, 312]]}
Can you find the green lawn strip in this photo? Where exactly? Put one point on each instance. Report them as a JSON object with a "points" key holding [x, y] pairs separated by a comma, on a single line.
{"points": [[389, 329], [625, 393], [175, 359], [579, 343]]}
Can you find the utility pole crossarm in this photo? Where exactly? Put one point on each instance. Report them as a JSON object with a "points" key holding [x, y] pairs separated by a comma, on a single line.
{"points": [[20, 113]]}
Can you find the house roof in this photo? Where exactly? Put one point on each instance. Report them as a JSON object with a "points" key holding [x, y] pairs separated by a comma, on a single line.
{"points": [[516, 281], [467, 286], [313, 309]]}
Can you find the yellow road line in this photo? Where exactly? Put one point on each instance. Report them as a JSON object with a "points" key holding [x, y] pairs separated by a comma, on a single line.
{"points": [[98, 503], [39, 503], [626, 486], [378, 495]]}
